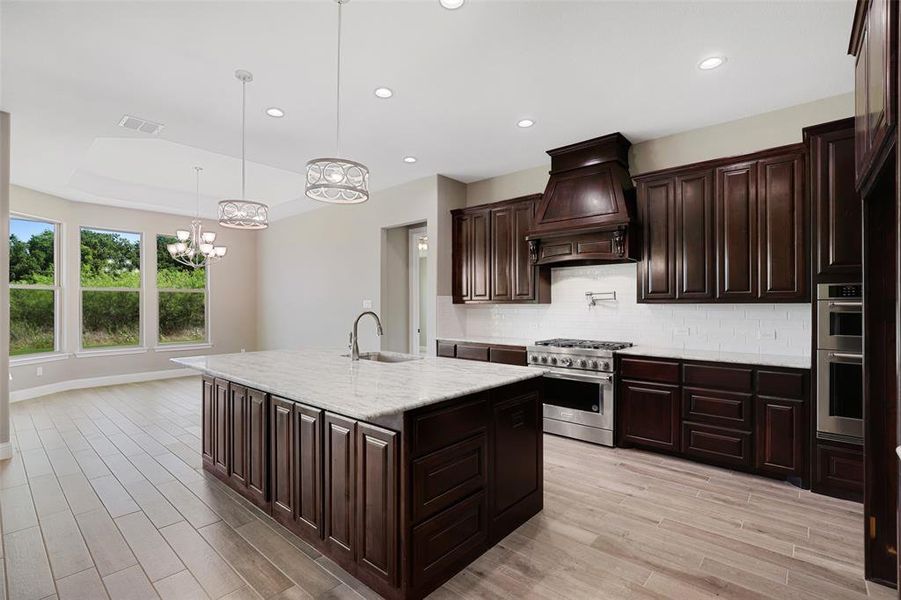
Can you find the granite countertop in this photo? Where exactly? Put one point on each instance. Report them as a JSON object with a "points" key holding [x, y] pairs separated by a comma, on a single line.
{"points": [[489, 341], [768, 360], [364, 390]]}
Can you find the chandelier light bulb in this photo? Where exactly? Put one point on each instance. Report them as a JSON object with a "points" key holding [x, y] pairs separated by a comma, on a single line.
{"points": [[208, 237], [220, 251], [182, 235]]}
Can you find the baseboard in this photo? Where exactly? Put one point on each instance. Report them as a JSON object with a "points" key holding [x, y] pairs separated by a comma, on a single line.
{"points": [[89, 382], [6, 450]]}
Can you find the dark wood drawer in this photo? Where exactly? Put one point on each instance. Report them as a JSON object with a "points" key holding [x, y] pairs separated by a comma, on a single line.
{"points": [[435, 429], [781, 384], [449, 475], [726, 409], [472, 352], [647, 369], [447, 349], [449, 540], [507, 356], [721, 378], [717, 445], [838, 471]]}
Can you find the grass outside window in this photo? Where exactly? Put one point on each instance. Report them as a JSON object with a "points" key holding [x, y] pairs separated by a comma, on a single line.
{"points": [[182, 298], [33, 286]]}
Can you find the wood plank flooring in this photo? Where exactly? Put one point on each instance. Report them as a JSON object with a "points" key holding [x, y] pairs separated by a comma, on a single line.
{"points": [[106, 498]]}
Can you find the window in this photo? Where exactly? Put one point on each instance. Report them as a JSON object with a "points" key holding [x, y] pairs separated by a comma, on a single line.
{"points": [[110, 288], [33, 289], [182, 297]]}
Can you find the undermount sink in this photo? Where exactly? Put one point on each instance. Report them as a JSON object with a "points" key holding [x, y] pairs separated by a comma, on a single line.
{"points": [[386, 357]]}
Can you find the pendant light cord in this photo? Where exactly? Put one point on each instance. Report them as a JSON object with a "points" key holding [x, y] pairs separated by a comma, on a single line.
{"points": [[197, 171], [338, 89], [243, 135]]}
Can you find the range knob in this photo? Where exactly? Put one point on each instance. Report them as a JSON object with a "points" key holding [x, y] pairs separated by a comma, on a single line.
{"points": [[553, 360], [606, 365], [594, 364], [583, 363], [544, 359], [534, 359]]}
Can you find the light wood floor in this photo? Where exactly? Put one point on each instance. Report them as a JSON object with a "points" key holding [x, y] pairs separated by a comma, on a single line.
{"points": [[105, 497]]}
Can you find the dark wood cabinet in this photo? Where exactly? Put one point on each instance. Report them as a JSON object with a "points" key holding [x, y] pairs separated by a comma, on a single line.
{"points": [[838, 470], [308, 471], [782, 225], [491, 260], [496, 353], [657, 213], [516, 473], [874, 46], [738, 416], [237, 425], [281, 462], [208, 419], [649, 415], [257, 447], [835, 203], [377, 501], [220, 428], [340, 490], [728, 230]]}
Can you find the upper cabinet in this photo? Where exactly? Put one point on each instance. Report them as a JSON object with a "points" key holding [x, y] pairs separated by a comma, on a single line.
{"points": [[730, 230], [834, 201], [874, 46], [491, 261]]}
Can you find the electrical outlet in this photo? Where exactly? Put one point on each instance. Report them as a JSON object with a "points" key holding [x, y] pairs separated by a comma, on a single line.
{"points": [[367, 303], [243, 349], [40, 371]]}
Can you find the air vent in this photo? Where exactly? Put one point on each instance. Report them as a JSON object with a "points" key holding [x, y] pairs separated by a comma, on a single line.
{"points": [[142, 125]]}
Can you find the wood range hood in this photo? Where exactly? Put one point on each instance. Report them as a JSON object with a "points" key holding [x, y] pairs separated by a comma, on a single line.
{"points": [[587, 212]]}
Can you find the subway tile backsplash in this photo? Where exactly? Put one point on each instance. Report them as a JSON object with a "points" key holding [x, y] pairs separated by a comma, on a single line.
{"points": [[754, 328]]}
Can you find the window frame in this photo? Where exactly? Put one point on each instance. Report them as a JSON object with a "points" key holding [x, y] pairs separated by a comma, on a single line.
{"points": [[206, 341], [106, 350], [56, 288]]}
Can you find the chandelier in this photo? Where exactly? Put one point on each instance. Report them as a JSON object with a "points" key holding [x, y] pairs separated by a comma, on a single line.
{"points": [[195, 248], [243, 213], [337, 180]]}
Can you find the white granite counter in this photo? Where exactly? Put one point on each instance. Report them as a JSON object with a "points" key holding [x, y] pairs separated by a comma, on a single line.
{"points": [[364, 390], [767, 360], [490, 341]]}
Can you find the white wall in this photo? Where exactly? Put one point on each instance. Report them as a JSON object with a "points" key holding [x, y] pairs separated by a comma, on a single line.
{"points": [[777, 329], [232, 297]]}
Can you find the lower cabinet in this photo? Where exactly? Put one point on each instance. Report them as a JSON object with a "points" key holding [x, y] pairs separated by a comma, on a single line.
{"points": [[340, 471], [838, 470], [220, 428], [738, 416], [504, 354], [377, 494]]}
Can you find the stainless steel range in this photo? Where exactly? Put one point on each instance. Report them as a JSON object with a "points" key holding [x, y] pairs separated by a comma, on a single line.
{"points": [[579, 391]]}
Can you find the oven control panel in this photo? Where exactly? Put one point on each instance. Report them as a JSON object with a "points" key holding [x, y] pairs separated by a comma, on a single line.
{"points": [[834, 291]]}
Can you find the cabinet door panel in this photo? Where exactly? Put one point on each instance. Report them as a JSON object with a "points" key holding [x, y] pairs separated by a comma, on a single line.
{"points": [[736, 230], [658, 262], [501, 253], [780, 436], [257, 446], [523, 271], [377, 501], [221, 429], [462, 258], [649, 415], [480, 264], [781, 219], [695, 264], [237, 417], [308, 424], [282, 459], [877, 76], [517, 429], [861, 117], [209, 422], [340, 468]]}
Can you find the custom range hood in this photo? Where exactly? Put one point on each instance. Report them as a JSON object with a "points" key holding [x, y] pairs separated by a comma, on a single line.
{"points": [[587, 212]]}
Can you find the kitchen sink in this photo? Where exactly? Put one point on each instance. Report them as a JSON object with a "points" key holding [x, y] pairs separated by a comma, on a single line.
{"points": [[386, 357]]}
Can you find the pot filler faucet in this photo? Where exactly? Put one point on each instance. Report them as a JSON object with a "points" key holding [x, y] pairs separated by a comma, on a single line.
{"points": [[354, 346]]}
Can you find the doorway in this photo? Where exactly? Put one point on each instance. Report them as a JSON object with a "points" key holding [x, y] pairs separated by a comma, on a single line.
{"points": [[418, 251]]}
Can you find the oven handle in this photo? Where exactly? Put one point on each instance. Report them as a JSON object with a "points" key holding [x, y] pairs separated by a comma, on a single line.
{"points": [[846, 355], [855, 303], [579, 377]]}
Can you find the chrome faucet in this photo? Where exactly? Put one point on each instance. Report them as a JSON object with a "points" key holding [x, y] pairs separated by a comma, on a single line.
{"points": [[354, 346]]}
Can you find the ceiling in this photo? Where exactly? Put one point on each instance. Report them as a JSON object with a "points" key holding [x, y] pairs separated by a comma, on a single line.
{"points": [[462, 79]]}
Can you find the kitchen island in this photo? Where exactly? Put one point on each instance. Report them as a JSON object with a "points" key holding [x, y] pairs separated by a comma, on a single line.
{"points": [[401, 469]]}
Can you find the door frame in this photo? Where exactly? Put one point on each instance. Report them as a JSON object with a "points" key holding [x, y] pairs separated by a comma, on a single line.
{"points": [[413, 278]]}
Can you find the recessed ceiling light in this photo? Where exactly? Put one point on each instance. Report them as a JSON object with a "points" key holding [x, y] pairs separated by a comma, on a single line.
{"points": [[383, 92], [711, 62], [274, 111], [525, 123], [451, 4], [410, 159]]}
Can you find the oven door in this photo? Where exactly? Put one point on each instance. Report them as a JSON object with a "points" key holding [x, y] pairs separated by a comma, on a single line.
{"points": [[582, 398], [840, 325], [840, 393]]}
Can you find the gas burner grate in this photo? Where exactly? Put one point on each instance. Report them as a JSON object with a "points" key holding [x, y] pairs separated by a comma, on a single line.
{"points": [[583, 344]]}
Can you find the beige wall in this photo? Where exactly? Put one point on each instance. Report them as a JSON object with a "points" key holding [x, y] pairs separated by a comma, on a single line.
{"points": [[233, 283], [759, 132], [395, 293]]}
